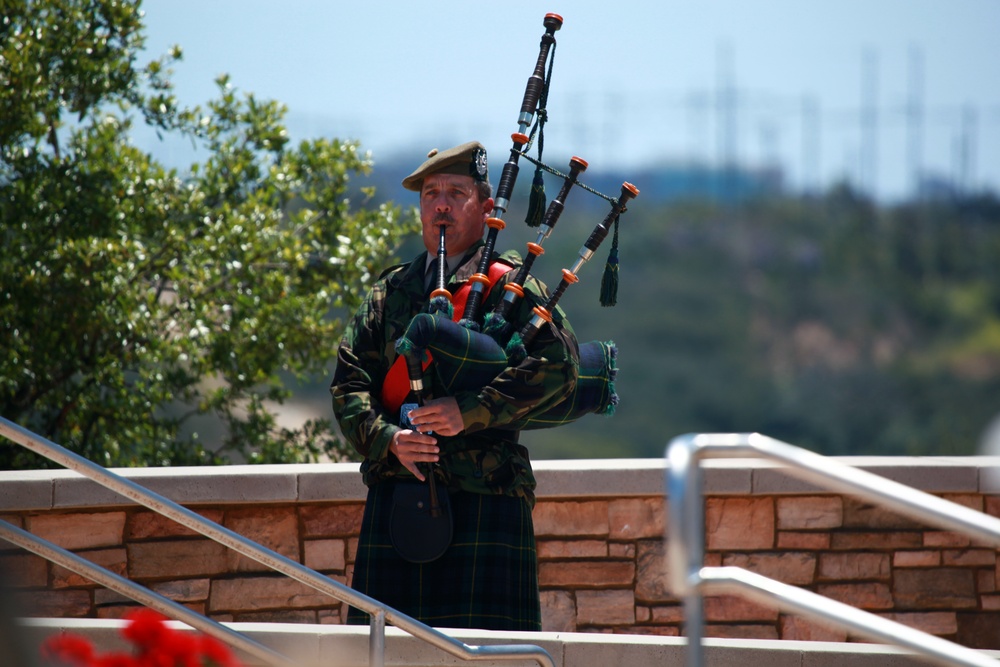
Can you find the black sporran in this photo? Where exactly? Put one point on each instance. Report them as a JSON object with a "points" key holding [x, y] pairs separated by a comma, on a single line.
{"points": [[417, 535]]}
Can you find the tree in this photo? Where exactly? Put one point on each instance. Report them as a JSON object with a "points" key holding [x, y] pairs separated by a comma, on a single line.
{"points": [[135, 299]]}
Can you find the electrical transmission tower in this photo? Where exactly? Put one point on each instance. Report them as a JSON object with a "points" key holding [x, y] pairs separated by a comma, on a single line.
{"points": [[915, 120], [868, 167]]}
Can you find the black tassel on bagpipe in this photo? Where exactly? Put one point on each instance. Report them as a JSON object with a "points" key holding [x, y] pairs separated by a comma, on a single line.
{"points": [[536, 198]]}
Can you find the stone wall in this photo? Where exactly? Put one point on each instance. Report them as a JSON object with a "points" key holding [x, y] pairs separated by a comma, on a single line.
{"points": [[600, 530]]}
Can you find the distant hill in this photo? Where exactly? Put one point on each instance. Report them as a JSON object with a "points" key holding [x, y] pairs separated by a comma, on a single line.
{"points": [[827, 321]]}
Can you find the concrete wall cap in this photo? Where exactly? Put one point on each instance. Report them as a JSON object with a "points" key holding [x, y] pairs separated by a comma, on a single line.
{"points": [[336, 482]]}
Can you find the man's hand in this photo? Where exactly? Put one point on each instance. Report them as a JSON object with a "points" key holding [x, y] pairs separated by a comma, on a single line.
{"points": [[440, 416], [413, 447]]}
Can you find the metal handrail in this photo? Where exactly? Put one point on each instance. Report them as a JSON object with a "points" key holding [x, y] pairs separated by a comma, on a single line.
{"points": [[686, 541], [380, 614], [120, 584]]}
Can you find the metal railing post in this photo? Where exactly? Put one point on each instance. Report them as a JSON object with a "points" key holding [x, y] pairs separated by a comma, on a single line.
{"points": [[376, 640], [686, 540]]}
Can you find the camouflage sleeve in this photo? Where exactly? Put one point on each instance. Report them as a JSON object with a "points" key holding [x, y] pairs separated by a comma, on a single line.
{"points": [[358, 378], [544, 378]]}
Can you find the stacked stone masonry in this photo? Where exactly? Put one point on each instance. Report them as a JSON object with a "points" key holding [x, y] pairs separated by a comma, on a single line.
{"points": [[601, 556]]}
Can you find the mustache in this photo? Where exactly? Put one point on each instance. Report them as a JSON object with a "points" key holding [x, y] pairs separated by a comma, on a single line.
{"points": [[443, 217]]}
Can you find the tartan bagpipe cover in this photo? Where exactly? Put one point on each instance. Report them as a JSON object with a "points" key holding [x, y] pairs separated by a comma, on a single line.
{"points": [[465, 360]]}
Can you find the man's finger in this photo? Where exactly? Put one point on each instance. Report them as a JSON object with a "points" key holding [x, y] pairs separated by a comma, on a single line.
{"points": [[412, 467]]}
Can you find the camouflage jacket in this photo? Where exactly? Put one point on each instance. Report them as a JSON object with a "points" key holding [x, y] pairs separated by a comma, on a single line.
{"points": [[485, 457]]}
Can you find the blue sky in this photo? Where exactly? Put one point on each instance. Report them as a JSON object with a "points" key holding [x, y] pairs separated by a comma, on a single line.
{"points": [[635, 83]]}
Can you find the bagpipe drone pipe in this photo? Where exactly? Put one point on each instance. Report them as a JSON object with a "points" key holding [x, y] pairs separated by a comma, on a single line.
{"points": [[465, 355]]}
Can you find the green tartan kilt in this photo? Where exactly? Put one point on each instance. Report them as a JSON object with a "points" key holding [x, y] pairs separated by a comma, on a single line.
{"points": [[487, 579]]}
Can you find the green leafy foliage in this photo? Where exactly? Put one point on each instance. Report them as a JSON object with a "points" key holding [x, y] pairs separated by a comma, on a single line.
{"points": [[134, 300]]}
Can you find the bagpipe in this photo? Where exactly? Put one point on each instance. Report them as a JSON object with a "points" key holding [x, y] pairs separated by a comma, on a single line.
{"points": [[466, 355]]}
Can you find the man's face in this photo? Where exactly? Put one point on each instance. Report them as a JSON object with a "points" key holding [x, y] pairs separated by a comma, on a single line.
{"points": [[453, 201]]}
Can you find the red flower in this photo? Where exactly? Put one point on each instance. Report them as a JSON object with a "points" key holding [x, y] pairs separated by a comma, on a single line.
{"points": [[146, 628], [216, 653], [114, 660], [157, 645], [67, 648], [183, 650], [156, 656]]}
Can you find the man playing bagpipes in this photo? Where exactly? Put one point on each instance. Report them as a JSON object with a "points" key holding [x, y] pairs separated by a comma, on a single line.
{"points": [[463, 440]]}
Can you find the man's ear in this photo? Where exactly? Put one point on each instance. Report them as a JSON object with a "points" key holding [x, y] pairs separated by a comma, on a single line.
{"points": [[488, 207]]}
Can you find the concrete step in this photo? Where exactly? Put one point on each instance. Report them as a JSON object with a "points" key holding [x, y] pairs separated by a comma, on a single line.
{"points": [[347, 646]]}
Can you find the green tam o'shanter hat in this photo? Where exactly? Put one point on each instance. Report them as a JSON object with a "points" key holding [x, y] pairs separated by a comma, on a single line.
{"points": [[469, 159]]}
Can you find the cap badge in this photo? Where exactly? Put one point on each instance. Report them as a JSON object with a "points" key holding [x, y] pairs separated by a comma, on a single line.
{"points": [[479, 162]]}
